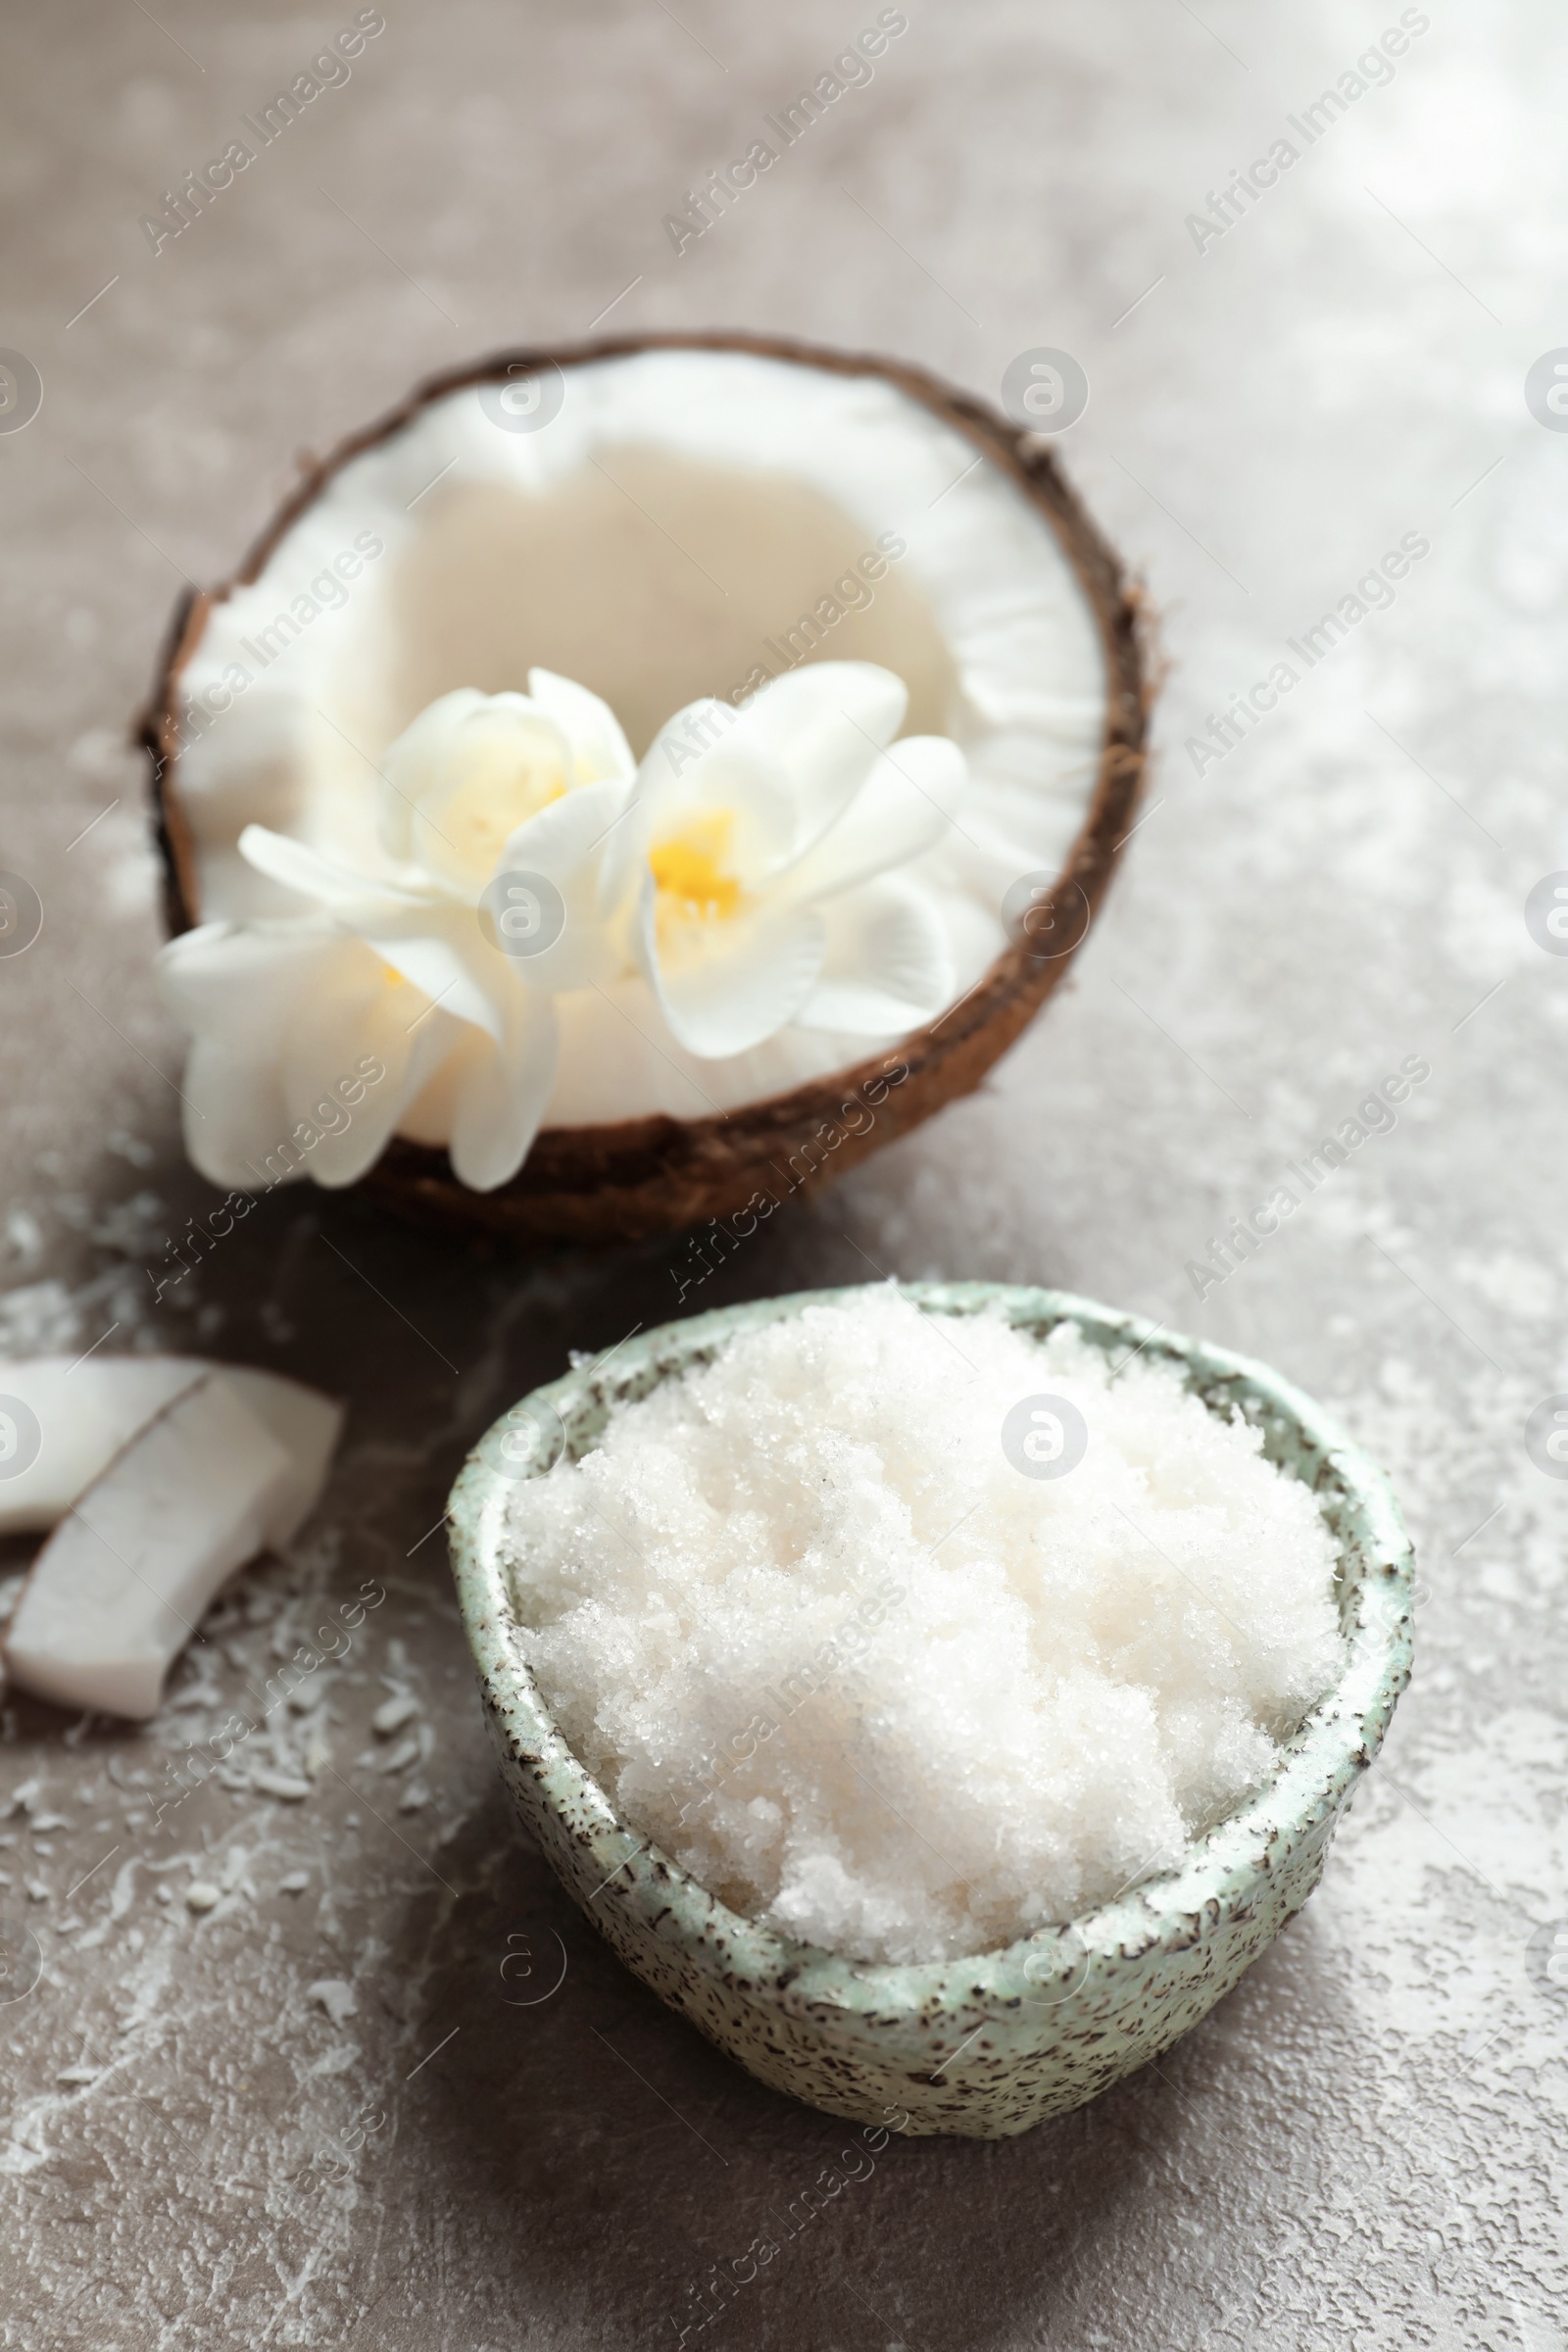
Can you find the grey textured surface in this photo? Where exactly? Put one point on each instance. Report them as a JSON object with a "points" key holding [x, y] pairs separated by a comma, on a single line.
{"points": [[1364, 2145]]}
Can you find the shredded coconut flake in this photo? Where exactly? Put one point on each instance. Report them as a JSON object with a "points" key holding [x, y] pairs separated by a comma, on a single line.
{"points": [[817, 1633]]}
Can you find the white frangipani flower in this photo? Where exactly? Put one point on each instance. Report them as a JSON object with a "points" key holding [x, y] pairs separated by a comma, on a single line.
{"points": [[757, 846], [745, 872], [473, 767], [393, 967]]}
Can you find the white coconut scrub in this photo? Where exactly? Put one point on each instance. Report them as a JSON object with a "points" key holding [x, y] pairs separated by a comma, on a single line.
{"points": [[549, 613], [822, 1631]]}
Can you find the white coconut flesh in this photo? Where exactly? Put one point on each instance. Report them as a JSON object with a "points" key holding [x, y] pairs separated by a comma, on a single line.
{"points": [[668, 532], [226, 1464], [84, 1414]]}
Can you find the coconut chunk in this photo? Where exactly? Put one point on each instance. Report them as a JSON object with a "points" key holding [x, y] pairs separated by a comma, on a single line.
{"points": [[77, 1416], [228, 1467], [84, 1412], [305, 1423]]}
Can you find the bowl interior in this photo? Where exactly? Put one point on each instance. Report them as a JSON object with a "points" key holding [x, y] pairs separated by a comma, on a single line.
{"points": [[652, 578], [1321, 1760]]}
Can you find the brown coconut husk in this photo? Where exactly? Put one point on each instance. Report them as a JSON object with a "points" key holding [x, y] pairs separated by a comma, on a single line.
{"points": [[640, 1177]]}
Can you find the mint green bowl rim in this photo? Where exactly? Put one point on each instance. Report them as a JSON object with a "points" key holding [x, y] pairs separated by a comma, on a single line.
{"points": [[1222, 1870]]}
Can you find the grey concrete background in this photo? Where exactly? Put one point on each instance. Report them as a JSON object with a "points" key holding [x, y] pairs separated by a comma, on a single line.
{"points": [[1364, 2146]]}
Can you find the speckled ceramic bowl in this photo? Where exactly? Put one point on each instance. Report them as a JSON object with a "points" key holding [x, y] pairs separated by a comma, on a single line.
{"points": [[990, 2045]]}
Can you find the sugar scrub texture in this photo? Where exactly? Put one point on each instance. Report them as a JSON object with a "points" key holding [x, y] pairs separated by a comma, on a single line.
{"points": [[816, 1635]]}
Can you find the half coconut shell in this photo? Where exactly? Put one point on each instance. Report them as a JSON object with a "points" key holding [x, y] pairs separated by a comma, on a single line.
{"points": [[645, 1176]]}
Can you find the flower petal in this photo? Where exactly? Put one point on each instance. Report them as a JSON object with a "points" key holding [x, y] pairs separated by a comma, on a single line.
{"points": [[903, 809], [470, 780], [700, 763], [500, 1094], [886, 968], [824, 725], [297, 867], [233, 1114], [242, 983], [340, 1112], [593, 733], [444, 969], [566, 843], [725, 997], [284, 1016], [410, 765]]}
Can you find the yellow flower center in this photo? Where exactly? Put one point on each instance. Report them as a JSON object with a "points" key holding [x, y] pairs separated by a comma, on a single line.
{"points": [[473, 820], [689, 870]]}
